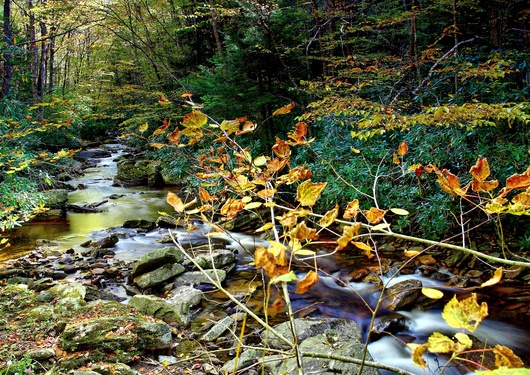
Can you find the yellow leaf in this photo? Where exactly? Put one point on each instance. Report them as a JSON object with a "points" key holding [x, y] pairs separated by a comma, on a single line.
{"points": [[432, 293], [252, 205], [395, 159], [303, 232], [417, 353], [175, 202], [399, 211], [194, 120], [347, 235], [231, 207], [230, 126], [411, 253], [481, 170], [352, 209], [265, 227], [304, 252], [466, 314], [497, 276], [365, 247], [284, 110], [308, 193], [285, 278], [381, 226], [505, 357], [260, 161], [143, 127], [329, 217], [464, 342], [439, 343], [374, 215], [309, 279]]}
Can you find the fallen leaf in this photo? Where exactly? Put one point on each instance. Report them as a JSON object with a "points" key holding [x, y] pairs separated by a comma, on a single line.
{"points": [[309, 279]]}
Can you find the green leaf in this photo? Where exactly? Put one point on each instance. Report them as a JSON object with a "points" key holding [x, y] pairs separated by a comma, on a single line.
{"points": [[285, 278]]}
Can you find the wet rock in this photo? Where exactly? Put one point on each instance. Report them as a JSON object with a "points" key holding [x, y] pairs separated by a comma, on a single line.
{"points": [[198, 277], [140, 224], [92, 154], [403, 295], [215, 259], [154, 174], [159, 275], [170, 222], [393, 323], [160, 308], [107, 242], [131, 173], [157, 258]]}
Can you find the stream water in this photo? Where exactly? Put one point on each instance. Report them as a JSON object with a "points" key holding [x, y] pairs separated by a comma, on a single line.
{"points": [[325, 299]]}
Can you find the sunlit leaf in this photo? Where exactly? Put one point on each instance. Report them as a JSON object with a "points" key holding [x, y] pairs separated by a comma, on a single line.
{"points": [[281, 149], [205, 196], [264, 227], [439, 343], [303, 232], [466, 314], [248, 127], [519, 181], [308, 193], [348, 234], [450, 183], [174, 137], [464, 342], [484, 186], [260, 161], [381, 226], [411, 253], [497, 276], [432, 293], [274, 263], [309, 279], [284, 110], [481, 170], [143, 127], [232, 207], [374, 215], [174, 200], [522, 199], [266, 193], [194, 120], [403, 148], [253, 205], [365, 247], [505, 357], [417, 354], [162, 100], [395, 159], [329, 217], [304, 252], [352, 209], [399, 211], [297, 135], [427, 260], [230, 126], [285, 278]]}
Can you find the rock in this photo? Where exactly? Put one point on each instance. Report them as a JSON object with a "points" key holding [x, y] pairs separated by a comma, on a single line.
{"points": [[198, 278], [92, 154], [215, 259], [170, 222], [71, 294], [114, 333], [393, 323], [57, 198], [113, 369], [403, 295], [157, 258], [107, 242], [131, 173], [52, 252], [140, 223], [162, 309], [41, 354], [185, 294], [159, 275], [154, 174], [218, 329]]}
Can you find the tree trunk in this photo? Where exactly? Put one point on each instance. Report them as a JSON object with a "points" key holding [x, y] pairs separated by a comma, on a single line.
{"points": [[216, 29], [8, 40], [51, 68], [34, 51], [43, 68]]}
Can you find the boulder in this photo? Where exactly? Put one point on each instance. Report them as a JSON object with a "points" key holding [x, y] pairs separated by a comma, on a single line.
{"points": [[185, 294], [140, 224], [215, 259], [198, 277], [403, 295], [159, 275], [131, 173], [56, 199], [70, 294], [154, 174], [157, 258], [167, 310]]}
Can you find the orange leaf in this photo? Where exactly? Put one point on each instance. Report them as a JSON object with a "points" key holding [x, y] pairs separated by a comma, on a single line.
{"points": [[194, 120], [403, 148], [295, 174], [522, 198], [284, 110], [231, 207], [309, 279], [308, 193], [266, 193], [519, 181], [449, 183], [484, 185], [163, 100], [374, 215], [281, 149], [175, 202], [298, 134], [303, 232], [347, 235], [205, 196], [497, 276], [481, 170], [395, 159], [352, 209], [248, 127], [163, 128], [274, 263], [174, 137]]}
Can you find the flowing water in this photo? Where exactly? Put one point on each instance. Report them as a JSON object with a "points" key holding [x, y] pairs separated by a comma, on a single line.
{"points": [[326, 299]]}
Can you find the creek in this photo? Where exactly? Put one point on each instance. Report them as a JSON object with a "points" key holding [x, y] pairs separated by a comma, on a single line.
{"points": [[326, 299]]}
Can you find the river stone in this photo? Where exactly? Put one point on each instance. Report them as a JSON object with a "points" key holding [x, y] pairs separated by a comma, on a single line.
{"points": [[70, 294], [215, 259], [107, 242], [185, 294], [159, 275], [218, 329], [56, 198], [198, 277], [157, 258], [403, 295], [140, 223], [113, 369], [154, 174], [114, 333], [41, 354], [167, 310], [131, 173]]}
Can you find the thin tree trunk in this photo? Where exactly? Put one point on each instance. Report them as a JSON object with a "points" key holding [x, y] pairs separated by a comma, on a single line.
{"points": [[215, 29], [8, 40], [34, 51], [51, 67], [43, 69]]}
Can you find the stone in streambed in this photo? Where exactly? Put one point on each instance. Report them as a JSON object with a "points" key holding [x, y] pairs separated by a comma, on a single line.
{"points": [[159, 275], [403, 295], [198, 277], [216, 259], [157, 258], [168, 311], [140, 224]]}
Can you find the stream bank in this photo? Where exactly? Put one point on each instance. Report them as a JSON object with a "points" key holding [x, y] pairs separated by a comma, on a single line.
{"points": [[98, 251]]}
